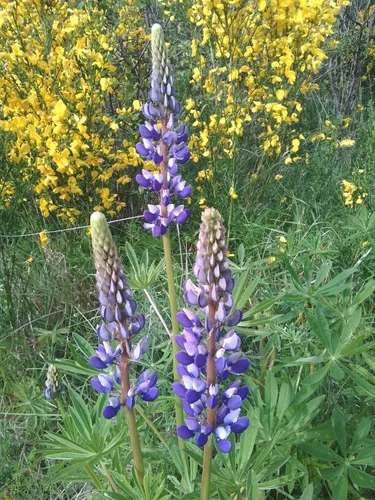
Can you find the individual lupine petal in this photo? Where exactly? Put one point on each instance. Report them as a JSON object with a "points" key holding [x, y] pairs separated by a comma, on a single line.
{"points": [[103, 383], [201, 439], [112, 409], [140, 349], [143, 151], [150, 395], [172, 166], [169, 138], [130, 399], [49, 394], [179, 390], [232, 417], [187, 318], [192, 424], [192, 396], [150, 112], [234, 318], [234, 402], [184, 358], [97, 363], [241, 425], [103, 332], [239, 366], [231, 341], [224, 445], [184, 432], [182, 133], [221, 434]]}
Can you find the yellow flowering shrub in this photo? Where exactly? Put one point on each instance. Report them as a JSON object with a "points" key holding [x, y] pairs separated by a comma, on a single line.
{"points": [[253, 61], [68, 100]]}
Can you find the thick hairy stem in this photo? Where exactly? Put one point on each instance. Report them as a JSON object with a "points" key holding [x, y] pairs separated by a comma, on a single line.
{"points": [[171, 285], [211, 413], [129, 413]]}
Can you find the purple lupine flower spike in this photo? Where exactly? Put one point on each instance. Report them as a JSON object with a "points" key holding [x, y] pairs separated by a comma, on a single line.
{"points": [[208, 355], [120, 324], [165, 147]]}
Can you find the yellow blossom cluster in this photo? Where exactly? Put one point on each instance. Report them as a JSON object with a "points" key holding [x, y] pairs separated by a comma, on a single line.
{"points": [[62, 104], [253, 59], [353, 194]]}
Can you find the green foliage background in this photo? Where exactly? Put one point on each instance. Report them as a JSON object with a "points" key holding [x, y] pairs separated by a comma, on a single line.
{"points": [[307, 328]]}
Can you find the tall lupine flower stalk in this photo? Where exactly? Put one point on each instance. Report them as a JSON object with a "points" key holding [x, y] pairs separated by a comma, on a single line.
{"points": [[208, 355], [120, 324], [164, 144]]}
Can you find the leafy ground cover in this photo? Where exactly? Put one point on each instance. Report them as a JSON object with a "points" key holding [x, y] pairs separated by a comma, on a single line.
{"points": [[291, 169]]}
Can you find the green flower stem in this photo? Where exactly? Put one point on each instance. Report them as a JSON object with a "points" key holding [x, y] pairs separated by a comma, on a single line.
{"points": [[207, 464], [94, 478], [211, 412], [129, 413], [173, 308], [171, 285], [110, 478], [61, 407]]}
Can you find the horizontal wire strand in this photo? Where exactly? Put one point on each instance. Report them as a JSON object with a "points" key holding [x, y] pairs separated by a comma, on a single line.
{"points": [[53, 231]]}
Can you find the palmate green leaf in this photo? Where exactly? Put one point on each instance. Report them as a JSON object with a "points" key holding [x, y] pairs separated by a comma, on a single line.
{"points": [[285, 397], [302, 416], [362, 295], [280, 481], [240, 287], [370, 360], [357, 346], [273, 467], [262, 306], [308, 492], [252, 486], [363, 384], [74, 367], [361, 478], [247, 442], [69, 445], [349, 328], [331, 287], [322, 273], [311, 360], [321, 451], [72, 473], [317, 377], [221, 494], [360, 435], [339, 430], [320, 327], [85, 347], [83, 422], [295, 279], [180, 464], [304, 393], [68, 456], [132, 257], [341, 489], [245, 296], [265, 450], [336, 371], [270, 397], [366, 456]]}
